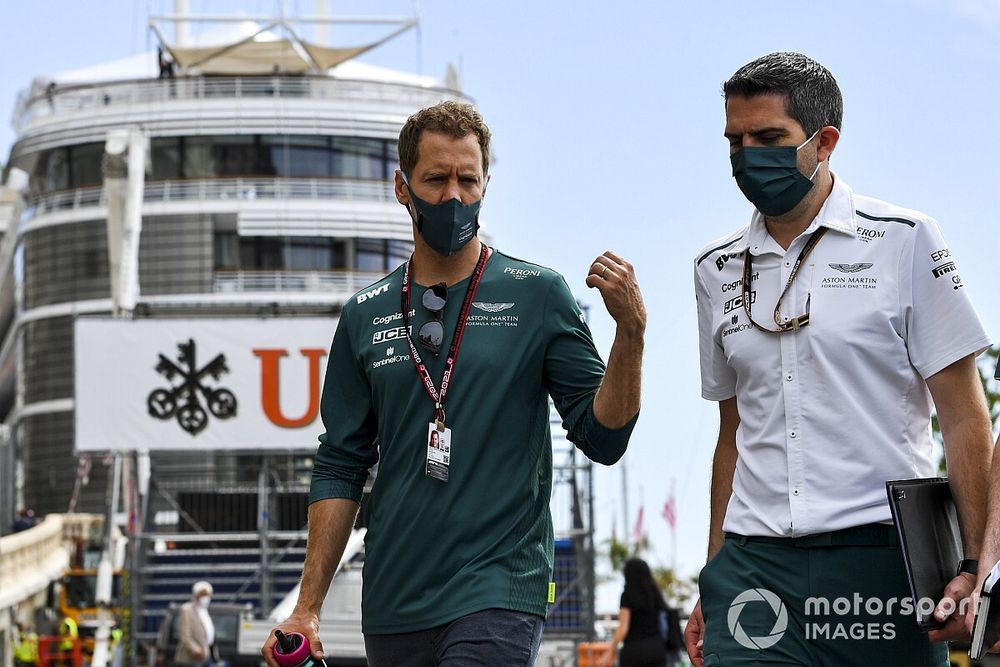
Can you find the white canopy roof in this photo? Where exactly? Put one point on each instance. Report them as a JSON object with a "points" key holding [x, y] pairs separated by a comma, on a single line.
{"points": [[244, 49]]}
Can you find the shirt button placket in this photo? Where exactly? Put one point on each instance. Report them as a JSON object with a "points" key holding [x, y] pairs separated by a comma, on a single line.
{"points": [[792, 401]]}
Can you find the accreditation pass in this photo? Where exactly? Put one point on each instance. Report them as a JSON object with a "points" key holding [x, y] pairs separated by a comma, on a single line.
{"points": [[438, 452]]}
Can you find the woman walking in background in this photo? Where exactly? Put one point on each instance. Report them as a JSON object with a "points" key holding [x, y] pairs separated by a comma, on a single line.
{"points": [[642, 617]]}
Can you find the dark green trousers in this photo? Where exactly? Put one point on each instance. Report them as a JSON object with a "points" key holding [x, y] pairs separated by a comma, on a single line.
{"points": [[838, 599]]}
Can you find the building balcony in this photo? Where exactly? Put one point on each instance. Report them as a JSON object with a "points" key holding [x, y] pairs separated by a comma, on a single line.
{"points": [[195, 105], [226, 189], [344, 283]]}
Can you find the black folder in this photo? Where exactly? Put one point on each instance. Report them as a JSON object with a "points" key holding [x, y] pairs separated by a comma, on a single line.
{"points": [[929, 538], [986, 631]]}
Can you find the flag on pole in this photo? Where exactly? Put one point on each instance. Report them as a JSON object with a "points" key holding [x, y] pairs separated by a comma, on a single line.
{"points": [[670, 512], [637, 533]]}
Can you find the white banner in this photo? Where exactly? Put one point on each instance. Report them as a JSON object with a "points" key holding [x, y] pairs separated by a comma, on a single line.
{"points": [[160, 384]]}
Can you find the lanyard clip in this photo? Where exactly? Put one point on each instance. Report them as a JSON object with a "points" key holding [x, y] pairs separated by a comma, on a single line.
{"points": [[439, 416]]}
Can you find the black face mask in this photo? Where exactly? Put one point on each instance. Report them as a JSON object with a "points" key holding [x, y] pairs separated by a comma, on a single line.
{"points": [[769, 177], [446, 227]]}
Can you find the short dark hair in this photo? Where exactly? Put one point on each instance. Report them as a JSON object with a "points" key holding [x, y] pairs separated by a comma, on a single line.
{"points": [[454, 119], [812, 96]]}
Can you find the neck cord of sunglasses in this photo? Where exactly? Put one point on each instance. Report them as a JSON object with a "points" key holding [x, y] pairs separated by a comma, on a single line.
{"points": [[784, 325], [440, 294]]}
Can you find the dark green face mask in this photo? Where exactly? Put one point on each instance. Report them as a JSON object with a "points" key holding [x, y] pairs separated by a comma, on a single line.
{"points": [[769, 177], [446, 227]]}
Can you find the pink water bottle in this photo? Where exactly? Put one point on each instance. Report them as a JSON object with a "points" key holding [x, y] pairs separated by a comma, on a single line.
{"points": [[292, 650]]}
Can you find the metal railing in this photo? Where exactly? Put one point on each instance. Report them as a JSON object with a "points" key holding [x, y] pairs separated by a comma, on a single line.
{"points": [[239, 189], [347, 282], [101, 95]]}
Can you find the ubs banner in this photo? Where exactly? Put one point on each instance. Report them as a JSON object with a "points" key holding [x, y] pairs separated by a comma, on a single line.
{"points": [[200, 384]]}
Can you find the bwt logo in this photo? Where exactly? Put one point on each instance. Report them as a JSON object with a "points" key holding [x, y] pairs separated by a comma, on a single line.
{"points": [[387, 335], [776, 606], [372, 293]]}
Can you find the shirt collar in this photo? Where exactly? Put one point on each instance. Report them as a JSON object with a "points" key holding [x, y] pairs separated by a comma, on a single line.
{"points": [[836, 214]]}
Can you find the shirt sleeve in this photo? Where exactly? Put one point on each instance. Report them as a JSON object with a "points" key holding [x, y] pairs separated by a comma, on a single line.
{"points": [[941, 323], [718, 379], [347, 448], [573, 373]]}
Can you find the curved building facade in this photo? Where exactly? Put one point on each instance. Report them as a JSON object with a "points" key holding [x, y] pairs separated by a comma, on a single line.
{"points": [[262, 196]]}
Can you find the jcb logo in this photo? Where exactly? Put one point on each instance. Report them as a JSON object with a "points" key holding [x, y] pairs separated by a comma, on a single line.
{"points": [[387, 335], [372, 293]]}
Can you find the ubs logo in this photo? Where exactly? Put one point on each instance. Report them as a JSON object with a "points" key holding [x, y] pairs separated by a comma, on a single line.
{"points": [[182, 401]]}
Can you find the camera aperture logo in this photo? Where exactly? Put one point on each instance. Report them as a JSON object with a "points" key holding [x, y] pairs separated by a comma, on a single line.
{"points": [[780, 621]]}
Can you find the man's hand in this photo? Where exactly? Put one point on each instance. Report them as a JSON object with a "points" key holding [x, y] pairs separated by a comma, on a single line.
{"points": [[955, 610], [615, 279], [694, 636], [305, 624]]}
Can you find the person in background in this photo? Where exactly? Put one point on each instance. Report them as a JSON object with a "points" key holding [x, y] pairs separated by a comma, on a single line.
{"points": [[197, 632], [25, 519], [641, 619], [25, 647]]}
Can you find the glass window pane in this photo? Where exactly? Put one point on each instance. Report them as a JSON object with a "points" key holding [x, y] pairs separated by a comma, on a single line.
{"points": [[233, 156], [339, 258], [227, 250], [165, 153], [369, 255], [399, 252], [310, 254], [355, 157], [85, 165], [197, 161], [57, 170], [391, 159]]}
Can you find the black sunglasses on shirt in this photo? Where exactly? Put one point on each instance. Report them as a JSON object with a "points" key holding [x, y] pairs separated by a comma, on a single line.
{"points": [[431, 333]]}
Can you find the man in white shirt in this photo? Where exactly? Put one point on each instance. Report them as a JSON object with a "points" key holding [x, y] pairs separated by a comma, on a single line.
{"points": [[827, 326]]}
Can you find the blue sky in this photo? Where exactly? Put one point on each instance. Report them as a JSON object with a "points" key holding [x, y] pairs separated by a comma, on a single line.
{"points": [[607, 122]]}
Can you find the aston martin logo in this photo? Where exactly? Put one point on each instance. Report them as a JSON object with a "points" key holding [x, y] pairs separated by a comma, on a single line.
{"points": [[492, 307], [852, 268]]}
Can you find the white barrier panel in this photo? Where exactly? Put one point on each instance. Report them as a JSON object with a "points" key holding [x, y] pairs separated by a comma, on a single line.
{"points": [[164, 384]]}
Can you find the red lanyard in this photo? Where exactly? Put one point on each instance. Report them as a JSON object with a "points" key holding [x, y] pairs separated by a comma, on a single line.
{"points": [[456, 339]]}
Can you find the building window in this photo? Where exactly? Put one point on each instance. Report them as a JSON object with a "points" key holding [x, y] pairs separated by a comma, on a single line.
{"points": [[278, 253]]}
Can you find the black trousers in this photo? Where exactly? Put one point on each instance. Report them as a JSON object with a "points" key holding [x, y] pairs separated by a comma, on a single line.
{"points": [[648, 652]]}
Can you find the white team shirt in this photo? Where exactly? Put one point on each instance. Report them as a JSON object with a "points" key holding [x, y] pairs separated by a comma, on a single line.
{"points": [[832, 411]]}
